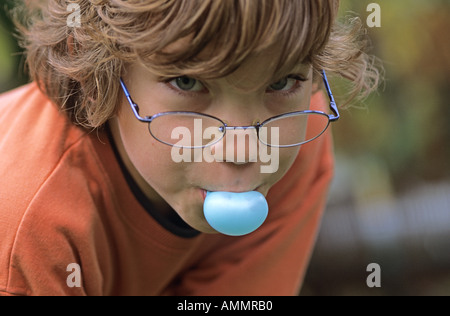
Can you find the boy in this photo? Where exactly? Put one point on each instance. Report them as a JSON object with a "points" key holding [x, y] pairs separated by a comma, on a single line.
{"points": [[93, 201]]}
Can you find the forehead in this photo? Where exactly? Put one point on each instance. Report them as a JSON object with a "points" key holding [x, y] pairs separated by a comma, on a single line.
{"points": [[255, 71], [259, 70]]}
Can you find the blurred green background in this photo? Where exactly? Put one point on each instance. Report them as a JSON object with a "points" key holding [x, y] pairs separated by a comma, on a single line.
{"points": [[390, 200], [12, 72]]}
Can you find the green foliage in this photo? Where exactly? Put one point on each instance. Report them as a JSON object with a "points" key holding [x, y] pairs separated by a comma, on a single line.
{"points": [[11, 55], [407, 124]]}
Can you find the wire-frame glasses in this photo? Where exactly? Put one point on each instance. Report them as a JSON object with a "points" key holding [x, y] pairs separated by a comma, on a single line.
{"points": [[282, 131]]}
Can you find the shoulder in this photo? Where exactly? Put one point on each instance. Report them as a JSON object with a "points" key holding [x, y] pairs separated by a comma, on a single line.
{"points": [[59, 226], [34, 139], [42, 191]]}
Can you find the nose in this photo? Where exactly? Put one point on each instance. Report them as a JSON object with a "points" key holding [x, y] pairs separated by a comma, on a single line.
{"points": [[238, 146]]}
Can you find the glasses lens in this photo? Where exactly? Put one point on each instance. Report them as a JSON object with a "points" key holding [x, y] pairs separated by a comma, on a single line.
{"points": [[187, 130], [293, 129]]}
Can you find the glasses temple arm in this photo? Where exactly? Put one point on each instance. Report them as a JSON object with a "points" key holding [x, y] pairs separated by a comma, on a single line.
{"points": [[134, 106], [333, 105]]}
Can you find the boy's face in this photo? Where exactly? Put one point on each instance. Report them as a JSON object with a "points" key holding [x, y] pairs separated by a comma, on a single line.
{"points": [[233, 99]]}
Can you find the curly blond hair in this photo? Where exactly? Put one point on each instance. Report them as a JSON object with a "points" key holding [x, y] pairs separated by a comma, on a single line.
{"points": [[79, 67]]}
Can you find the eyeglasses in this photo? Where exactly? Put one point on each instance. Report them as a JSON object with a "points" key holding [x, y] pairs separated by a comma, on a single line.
{"points": [[198, 130]]}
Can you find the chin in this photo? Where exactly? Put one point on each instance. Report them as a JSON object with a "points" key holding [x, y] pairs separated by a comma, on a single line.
{"points": [[203, 227]]}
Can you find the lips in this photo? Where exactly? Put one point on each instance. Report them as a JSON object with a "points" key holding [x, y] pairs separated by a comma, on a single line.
{"points": [[204, 191]]}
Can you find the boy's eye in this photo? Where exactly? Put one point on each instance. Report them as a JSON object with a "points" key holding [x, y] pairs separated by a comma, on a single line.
{"points": [[285, 84], [186, 83]]}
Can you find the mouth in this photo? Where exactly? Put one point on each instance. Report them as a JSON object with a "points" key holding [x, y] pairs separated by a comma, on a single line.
{"points": [[204, 192]]}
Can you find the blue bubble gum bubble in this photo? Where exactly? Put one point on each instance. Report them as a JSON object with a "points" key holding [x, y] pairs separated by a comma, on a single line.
{"points": [[235, 214]]}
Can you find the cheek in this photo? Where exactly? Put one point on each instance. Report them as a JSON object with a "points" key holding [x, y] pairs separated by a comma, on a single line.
{"points": [[282, 162], [151, 158], [287, 157]]}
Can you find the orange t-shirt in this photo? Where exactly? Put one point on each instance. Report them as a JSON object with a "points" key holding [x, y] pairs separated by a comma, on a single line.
{"points": [[65, 199]]}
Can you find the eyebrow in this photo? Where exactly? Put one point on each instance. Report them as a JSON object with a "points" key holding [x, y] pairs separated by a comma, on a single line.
{"points": [[302, 70]]}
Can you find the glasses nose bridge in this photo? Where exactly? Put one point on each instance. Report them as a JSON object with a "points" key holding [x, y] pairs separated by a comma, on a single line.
{"points": [[239, 144], [243, 128]]}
